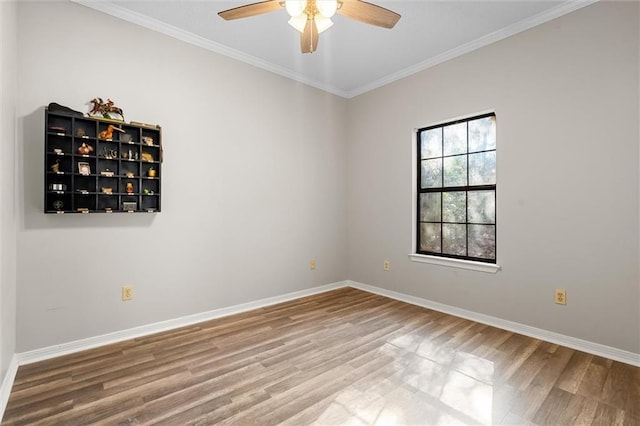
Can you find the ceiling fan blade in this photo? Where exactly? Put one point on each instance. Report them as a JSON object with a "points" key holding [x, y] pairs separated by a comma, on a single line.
{"points": [[309, 37], [369, 13], [250, 10]]}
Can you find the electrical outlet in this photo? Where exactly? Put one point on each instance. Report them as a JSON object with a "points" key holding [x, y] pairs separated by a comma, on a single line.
{"points": [[561, 296], [127, 293], [312, 264], [386, 266]]}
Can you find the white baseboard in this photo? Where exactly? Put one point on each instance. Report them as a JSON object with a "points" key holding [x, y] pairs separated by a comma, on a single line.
{"points": [[145, 330], [7, 384], [548, 336], [92, 342], [118, 336]]}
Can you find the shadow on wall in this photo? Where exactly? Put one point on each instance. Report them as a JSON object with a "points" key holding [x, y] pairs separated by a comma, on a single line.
{"points": [[31, 187]]}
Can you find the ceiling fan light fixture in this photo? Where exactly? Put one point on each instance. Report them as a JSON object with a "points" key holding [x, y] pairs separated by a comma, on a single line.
{"points": [[322, 23], [295, 7], [311, 17], [299, 22], [327, 8]]}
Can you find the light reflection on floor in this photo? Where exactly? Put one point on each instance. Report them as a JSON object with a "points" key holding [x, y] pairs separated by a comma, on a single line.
{"points": [[428, 386]]}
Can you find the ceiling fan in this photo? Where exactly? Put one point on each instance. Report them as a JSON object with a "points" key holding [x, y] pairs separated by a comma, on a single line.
{"points": [[312, 17]]}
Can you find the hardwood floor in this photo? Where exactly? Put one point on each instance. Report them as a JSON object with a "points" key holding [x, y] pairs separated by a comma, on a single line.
{"points": [[342, 357]]}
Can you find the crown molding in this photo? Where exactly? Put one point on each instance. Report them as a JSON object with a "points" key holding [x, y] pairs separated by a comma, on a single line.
{"points": [[486, 40], [128, 15], [196, 40]]}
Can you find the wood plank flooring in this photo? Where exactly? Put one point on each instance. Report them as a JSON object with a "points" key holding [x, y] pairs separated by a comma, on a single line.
{"points": [[341, 357]]}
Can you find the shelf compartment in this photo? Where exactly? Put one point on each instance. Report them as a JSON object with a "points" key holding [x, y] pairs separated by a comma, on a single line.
{"points": [[150, 203], [152, 185], [84, 166], [129, 167], [57, 202], [135, 186], [84, 128], [60, 124], [58, 164], [59, 143], [84, 201], [107, 202], [107, 166]]}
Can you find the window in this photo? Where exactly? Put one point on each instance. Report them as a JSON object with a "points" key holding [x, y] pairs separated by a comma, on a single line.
{"points": [[456, 205]]}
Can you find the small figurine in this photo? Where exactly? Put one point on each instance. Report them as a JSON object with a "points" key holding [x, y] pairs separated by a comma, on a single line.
{"points": [[55, 167], [129, 188], [100, 107], [85, 149], [151, 172], [108, 134], [110, 153]]}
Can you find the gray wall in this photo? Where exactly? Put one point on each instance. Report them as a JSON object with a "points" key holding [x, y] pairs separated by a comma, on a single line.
{"points": [[566, 97], [253, 181], [262, 174], [8, 44]]}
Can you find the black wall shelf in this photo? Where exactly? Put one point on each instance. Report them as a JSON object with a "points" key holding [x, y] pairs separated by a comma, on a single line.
{"points": [[86, 172]]}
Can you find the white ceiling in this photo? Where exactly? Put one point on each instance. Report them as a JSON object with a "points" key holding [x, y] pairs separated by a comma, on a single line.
{"points": [[352, 57]]}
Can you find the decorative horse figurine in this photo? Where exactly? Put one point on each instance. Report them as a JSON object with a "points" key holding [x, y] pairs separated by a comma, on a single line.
{"points": [[100, 107]]}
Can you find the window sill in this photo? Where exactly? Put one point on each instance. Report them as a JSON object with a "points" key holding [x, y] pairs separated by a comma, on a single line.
{"points": [[455, 263]]}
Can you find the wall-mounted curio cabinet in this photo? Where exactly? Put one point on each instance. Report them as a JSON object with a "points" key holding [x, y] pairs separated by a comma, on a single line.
{"points": [[101, 166]]}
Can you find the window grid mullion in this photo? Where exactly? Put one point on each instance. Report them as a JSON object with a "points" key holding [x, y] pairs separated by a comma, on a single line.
{"points": [[442, 189], [442, 193], [419, 186]]}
